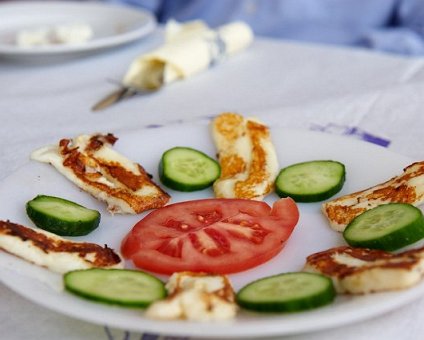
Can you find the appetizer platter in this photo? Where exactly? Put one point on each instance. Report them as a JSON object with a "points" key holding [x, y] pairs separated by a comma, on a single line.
{"points": [[260, 241]]}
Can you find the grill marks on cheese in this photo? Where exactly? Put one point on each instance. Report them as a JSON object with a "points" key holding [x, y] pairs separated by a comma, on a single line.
{"points": [[361, 270], [92, 164], [248, 161], [197, 297], [405, 188], [54, 252]]}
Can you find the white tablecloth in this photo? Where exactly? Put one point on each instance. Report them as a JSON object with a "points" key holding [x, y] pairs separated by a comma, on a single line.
{"points": [[364, 95]]}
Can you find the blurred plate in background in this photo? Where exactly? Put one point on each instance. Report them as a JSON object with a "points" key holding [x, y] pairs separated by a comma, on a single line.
{"points": [[111, 26]]}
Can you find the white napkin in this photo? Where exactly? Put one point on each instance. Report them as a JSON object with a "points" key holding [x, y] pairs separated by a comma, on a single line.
{"points": [[189, 48]]}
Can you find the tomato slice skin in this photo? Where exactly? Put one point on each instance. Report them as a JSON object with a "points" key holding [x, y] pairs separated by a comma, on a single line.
{"points": [[218, 236]]}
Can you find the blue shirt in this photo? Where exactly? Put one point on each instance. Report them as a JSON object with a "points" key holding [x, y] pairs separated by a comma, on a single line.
{"points": [[395, 26]]}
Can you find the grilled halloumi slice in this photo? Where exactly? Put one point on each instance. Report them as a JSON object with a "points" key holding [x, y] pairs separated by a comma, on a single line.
{"points": [[57, 254], [196, 296], [362, 271], [247, 157], [90, 162], [405, 188]]}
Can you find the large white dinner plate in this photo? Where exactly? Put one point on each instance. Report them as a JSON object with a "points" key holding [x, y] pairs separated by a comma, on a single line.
{"points": [[111, 25], [366, 165]]}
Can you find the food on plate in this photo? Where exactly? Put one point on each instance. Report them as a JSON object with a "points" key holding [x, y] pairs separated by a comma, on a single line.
{"points": [[387, 227], [75, 33], [90, 162], [311, 181], [211, 235], [198, 242], [288, 292], [362, 270], [187, 169], [247, 157], [124, 287], [61, 216], [54, 252], [405, 188], [197, 297]]}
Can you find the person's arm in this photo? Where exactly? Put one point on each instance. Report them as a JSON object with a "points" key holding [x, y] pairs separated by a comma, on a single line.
{"points": [[407, 34], [153, 6]]}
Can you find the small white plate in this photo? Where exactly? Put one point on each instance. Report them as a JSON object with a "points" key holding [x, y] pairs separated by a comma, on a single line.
{"points": [[111, 25], [366, 164]]}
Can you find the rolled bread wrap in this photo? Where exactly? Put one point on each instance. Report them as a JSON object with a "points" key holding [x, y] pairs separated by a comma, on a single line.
{"points": [[189, 49]]}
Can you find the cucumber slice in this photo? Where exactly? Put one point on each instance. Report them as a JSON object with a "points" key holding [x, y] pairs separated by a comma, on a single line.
{"points": [[387, 227], [61, 216], [187, 169], [312, 181], [122, 287], [289, 292]]}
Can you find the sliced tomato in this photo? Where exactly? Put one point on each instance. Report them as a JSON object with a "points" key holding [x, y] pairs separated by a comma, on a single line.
{"points": [[218, 236]]}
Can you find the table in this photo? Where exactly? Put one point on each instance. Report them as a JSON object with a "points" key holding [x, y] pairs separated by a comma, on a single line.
{"points": [[353, 92]]}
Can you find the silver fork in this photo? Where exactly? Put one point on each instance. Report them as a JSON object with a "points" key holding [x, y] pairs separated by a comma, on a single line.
{"points": [[116, 96], [124, 92]]}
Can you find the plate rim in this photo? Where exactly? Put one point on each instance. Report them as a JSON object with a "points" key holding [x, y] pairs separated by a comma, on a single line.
{"points": [[95, 44]]}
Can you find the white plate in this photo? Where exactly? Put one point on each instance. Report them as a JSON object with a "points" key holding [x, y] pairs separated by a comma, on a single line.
{"points": [[111, 25], [366, 165]]}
